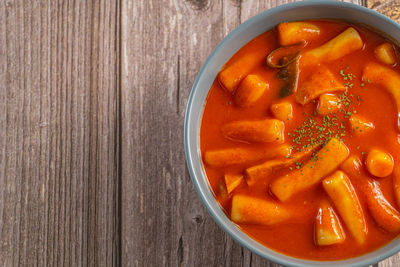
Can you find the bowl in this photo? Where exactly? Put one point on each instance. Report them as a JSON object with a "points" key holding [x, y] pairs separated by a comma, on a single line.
{"points": [[221, 54]]}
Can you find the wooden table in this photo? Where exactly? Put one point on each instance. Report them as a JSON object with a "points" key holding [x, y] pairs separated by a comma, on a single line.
{"points": [[92, 100]]}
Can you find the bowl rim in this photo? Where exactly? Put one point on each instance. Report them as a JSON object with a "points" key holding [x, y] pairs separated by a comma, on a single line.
{"points": [[286, 260]]}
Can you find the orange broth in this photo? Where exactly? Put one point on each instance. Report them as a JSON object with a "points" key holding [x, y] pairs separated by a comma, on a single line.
{"points": [[295, 237]]}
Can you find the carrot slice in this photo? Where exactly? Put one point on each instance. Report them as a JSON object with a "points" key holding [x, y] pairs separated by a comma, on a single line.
{"points": [[232, 181], [343, 195]]}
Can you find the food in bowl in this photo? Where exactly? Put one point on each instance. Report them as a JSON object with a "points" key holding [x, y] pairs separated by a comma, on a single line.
{"points": [[300, 139]]}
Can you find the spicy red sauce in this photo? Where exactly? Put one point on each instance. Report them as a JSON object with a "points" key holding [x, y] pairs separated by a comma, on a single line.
{"points": [[295, 237]]}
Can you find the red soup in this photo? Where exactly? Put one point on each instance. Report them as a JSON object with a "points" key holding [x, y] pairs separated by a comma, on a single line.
{"points": [[300, 139]]}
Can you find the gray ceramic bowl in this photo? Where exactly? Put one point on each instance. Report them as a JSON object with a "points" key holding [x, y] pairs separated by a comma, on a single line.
{"points": [[221, 54]]}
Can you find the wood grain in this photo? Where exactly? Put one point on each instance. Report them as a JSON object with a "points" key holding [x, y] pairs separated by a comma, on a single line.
{"points": [[92, 100], [59, 133]]}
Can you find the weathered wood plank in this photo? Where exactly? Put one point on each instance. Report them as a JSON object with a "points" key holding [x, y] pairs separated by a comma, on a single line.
{"points": [[163, 47], [58, 137], [163, 222]]}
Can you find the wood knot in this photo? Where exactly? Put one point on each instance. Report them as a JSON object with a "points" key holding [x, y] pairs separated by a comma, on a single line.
{"points": [[198, 219], [200, 5], [180, 251], [237, 3]]}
